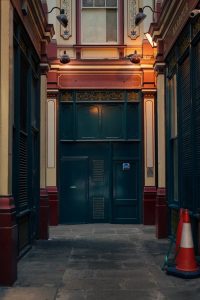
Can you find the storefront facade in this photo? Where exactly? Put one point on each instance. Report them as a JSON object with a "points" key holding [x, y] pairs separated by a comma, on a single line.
{"points": [[178, 61], [24, 37], [103, 166]]}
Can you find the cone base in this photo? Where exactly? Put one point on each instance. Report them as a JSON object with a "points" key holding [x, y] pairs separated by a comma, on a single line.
{"points": [[183, 274]]}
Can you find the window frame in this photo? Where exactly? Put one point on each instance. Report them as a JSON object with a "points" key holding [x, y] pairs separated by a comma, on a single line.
{"points": [[120, 25]]}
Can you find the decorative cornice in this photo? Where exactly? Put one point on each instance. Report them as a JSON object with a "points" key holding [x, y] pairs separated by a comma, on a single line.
{"points": [[173, 17]]}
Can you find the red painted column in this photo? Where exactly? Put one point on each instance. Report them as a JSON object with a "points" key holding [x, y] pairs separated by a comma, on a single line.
{"points": [[149, 205], [53, 205], [44, 215], [8, 241], [161, 214]]}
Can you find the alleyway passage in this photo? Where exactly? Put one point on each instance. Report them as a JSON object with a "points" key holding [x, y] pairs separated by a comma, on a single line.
{"points": [[98, 262]]}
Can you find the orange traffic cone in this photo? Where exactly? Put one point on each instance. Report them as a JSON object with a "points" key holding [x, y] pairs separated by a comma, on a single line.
{"points": [[185, 259], [186, 265], [178, 234]]}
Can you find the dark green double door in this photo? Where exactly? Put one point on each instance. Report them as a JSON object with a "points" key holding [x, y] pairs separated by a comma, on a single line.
{"points": [[99, 182]]}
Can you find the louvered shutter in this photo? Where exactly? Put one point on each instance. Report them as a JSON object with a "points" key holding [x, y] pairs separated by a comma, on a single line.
{"points": [[23, 173], [186, 134], [196, 103]]}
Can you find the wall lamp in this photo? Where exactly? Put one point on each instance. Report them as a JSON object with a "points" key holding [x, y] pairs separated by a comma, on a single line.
{"points": [[141, 15], [65, 59], [134, 58], [62, 18], [194, 13]]}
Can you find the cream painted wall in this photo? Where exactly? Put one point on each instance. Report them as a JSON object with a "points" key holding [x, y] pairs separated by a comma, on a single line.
{"points": [[6, 94], [51, 141], [161, 129], [52, 16], [130, 8], [148, 13], [58, 28], [149, 141]]}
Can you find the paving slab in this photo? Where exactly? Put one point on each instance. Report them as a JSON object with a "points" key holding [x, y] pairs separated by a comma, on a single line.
{"points": [[99, 262]]}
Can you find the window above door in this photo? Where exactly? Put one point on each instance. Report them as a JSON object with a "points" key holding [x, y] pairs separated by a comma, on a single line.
{"points": [[99, 22]]}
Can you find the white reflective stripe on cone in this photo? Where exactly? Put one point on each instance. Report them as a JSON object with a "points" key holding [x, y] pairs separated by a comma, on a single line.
{"points": [[186, 238]]}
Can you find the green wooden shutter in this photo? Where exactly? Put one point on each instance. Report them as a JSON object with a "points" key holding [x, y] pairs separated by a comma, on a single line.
{"points": [[186, 136], [196, 103]]}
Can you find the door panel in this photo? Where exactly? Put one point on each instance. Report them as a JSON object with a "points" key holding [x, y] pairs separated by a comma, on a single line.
{"points": [[99, 186], [74, 190], [125, 191]]}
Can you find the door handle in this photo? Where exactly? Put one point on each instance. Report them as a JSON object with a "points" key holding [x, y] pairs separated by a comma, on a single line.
{"points": [[72, 187]]}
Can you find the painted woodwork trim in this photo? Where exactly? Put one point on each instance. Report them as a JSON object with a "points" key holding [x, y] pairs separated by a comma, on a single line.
{"points": [[94, 80], [172, 20], [35, 23]]}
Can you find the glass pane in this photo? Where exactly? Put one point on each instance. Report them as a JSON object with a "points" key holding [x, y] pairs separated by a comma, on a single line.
{"points": [[111, 25], [93, 25], [100, 3], [88, 121], [110, 127], [87, 3], [133, 121], [111, 3]]}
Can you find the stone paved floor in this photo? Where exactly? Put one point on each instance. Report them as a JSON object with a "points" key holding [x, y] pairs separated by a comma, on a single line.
{"points": [[99, 262]]}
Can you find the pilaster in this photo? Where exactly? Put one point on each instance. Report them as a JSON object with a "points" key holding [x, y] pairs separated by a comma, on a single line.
{"points": [[149, 197], [51, 156], [44, 203], [161, 204], [8, 227]]}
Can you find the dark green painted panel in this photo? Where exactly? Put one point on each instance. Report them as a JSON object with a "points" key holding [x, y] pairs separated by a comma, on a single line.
{"points": [[128, 149], [112, 121], [88, 117], [99, 182], [125, 191], [74, 190], [66, 121], [133, 121]]}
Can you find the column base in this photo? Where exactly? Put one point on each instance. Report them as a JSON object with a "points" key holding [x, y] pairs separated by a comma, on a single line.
{"points": [[44, 215], [53, 205], [161, 214], [8, 241], [149, 205]]}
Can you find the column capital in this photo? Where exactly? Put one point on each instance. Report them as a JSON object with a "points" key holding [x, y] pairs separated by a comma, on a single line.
{"points": [[159, 67], [149, 92], [44, 68], [52, 93]]}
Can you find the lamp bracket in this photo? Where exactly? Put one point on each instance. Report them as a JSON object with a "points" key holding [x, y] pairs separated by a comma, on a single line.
{"points": [[62, 11], [153, 11]]}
